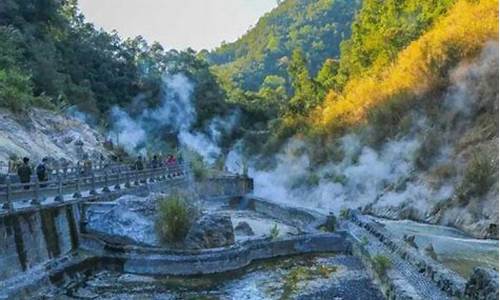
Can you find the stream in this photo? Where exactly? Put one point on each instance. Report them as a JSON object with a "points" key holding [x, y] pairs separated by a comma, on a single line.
{"points": [[454, 248]]}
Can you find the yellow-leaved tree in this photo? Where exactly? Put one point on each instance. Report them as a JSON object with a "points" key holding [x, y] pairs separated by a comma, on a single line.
{"points": [[458, 35]]}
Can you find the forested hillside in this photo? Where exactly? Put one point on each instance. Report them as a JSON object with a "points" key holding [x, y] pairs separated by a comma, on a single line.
{"points": [[315, 27], [51, 57], [408, 125]]}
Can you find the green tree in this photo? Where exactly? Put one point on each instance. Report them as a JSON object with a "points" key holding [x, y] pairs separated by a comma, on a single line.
{"points": [[305, 89], [326, 76], [381, 29], [16, 90]]}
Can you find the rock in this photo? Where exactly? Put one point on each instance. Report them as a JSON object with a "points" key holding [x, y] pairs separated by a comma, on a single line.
{"points": [[410, 240], [429, 251], [68, 139], [128, 221], [482, 285], [210, 231], [492, 231], [331, 223], [41, 133], [244, 229]]}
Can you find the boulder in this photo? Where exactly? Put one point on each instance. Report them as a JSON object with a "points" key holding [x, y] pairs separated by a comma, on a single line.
{"points": [[482, 285], [210, 231], [129, 220], [331, 222], [429, 251], [244, 229], [68, 139], [410, 240]]}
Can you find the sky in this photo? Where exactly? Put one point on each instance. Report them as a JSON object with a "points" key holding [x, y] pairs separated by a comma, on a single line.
{"points": [[179, 24]]}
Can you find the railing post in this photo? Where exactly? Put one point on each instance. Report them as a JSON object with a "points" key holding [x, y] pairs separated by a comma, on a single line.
{"points": [[8, 204], [158, 174], [167, 171], [137, 178], [93, 191], [77, 193], [36, 198], [118, 183], [105, 189], [162, 174], [59, 197], [151, 176], [127, 183]]}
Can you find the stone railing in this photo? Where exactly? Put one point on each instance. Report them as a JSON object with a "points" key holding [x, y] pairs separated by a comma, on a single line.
{"points": [[68, 168], [59, 189]]}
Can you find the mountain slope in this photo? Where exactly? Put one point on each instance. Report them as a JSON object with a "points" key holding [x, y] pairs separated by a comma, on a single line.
{"points": [[409, 133], [317, 27]]}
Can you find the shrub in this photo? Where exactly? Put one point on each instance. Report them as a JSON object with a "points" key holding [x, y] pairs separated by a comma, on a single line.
{"points": [[381, 264], [307, 181], [274, 232], [428, 149], [200, 170], [174, 218], [479, 175], [389, 118], [344, 213]]}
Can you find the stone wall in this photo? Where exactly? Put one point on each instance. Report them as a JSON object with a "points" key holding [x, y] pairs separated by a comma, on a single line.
{"points": [[229, 186], [33, 238], [36, 238], [157, 261]]}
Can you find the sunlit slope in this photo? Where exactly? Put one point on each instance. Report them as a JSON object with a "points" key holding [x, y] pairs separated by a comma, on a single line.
{"points": [[458, 35]]}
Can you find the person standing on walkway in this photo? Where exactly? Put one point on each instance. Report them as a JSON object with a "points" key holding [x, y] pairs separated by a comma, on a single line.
{"points": [[155, 162], [24, 172], [42, 172], [87, 165], [139, 165]]}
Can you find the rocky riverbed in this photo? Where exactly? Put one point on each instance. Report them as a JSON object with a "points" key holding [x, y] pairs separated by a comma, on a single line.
{"points": [[303, 277]]}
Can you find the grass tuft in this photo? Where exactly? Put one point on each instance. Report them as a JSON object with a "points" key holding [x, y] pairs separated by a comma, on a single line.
{"points": [[174, 218]]}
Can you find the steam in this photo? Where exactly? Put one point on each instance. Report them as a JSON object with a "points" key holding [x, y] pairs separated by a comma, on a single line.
{"points": [[75, 113], [234, 160], [472, 83], [356, 181], [177, 109], [386, 177], [176, 114], [128, 131]]}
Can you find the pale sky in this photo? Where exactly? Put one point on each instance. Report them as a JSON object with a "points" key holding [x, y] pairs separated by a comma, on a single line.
{"points": [[199, 24]]}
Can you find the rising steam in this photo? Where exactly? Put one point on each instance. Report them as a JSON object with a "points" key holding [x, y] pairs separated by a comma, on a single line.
{"points": [[386, 177], [177, 114]]}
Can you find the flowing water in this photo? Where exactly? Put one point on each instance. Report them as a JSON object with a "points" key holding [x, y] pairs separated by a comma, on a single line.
{"points": [[454, 248]]}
